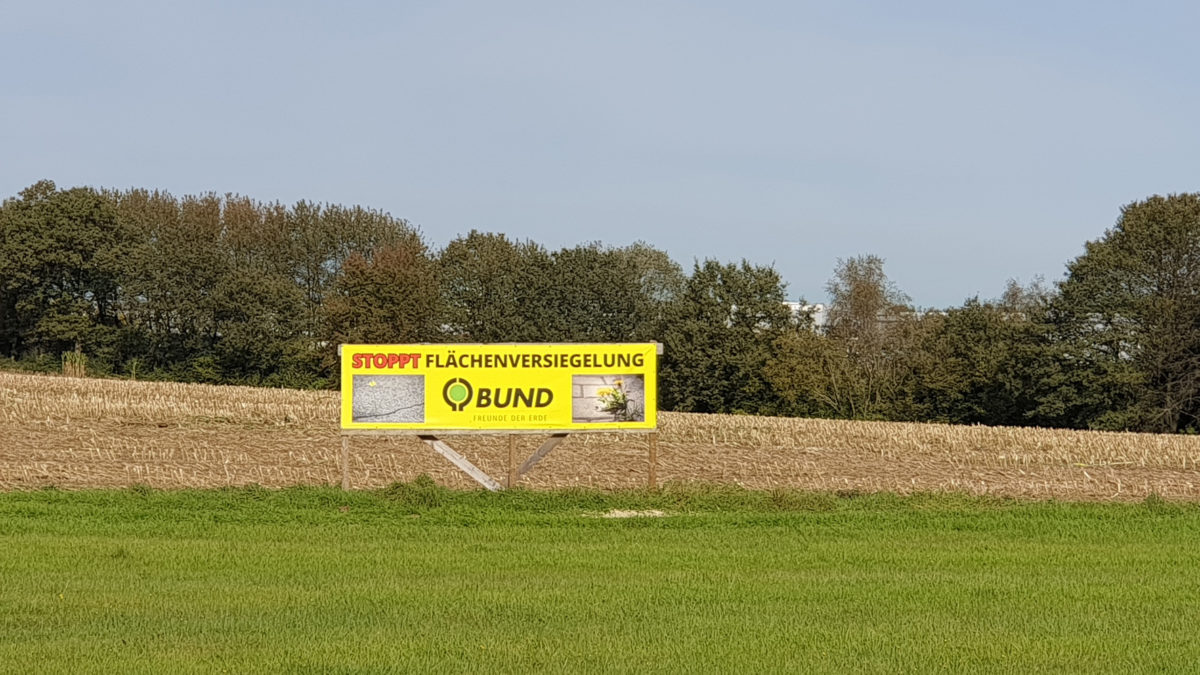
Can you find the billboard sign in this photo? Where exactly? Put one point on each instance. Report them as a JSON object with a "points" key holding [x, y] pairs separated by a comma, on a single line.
{"points": [[500, 387]]}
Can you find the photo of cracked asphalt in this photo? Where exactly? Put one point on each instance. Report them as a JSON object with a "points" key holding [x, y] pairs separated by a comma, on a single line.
{"points": [[388, 398]]}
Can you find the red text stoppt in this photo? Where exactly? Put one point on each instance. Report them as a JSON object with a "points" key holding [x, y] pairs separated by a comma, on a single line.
{"points": [[382, 361]]}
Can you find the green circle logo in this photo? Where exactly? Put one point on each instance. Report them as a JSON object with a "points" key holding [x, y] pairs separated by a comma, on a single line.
{"points": [[457, 393]]}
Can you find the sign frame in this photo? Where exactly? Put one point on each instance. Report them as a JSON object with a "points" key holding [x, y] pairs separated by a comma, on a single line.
{"points": [[430, 435], [587, 377]]}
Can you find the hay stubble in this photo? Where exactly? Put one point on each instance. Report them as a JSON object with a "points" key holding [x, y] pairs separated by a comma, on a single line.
{"points": [[75, 433]]}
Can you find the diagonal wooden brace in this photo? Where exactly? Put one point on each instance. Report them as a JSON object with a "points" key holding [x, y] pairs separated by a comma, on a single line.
{"points": [[462, 462], [541, 452]]}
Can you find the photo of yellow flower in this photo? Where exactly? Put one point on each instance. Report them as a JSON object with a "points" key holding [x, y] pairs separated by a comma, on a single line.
{"points": [[608, 398]]}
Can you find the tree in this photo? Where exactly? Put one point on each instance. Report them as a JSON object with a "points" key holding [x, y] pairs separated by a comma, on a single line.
{"points": [[1130, 319], [603, 294], [172, 277], [60, 255], [717, 339], [497, 290], [392, 296], [323, 238], [258, 318], [864, 305], [990, 362], [804, 371], [862, 367]]}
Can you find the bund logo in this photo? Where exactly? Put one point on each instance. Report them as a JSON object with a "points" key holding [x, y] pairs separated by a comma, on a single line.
{"points": [[457, 393]]}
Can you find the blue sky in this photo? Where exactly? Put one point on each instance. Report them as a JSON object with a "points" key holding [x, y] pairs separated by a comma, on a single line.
{"points": [[966, 143]]}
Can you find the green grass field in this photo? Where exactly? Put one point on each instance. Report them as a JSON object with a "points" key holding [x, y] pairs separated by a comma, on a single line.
{"points": [[417, 578]]}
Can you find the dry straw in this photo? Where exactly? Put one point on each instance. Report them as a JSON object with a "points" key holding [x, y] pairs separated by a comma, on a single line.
{"points": [[75, 432]]}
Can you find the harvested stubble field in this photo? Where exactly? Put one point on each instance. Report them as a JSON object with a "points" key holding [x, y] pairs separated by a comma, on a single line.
{"points": [[75, 433]]}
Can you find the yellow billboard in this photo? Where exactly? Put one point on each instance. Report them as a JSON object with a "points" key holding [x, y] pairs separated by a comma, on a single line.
{"points": [[501, 387]]}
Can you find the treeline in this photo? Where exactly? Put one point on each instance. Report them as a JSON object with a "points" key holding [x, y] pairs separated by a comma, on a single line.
{"points": [[231, 290]]}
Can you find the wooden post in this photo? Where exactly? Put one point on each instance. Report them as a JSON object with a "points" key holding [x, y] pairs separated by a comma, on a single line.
{"points": [[512, 461], [345, 462], [652, 482]]}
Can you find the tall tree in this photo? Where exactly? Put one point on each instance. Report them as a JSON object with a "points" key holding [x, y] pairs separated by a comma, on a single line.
{"points": [[864, 305], [173, 274], [990, 362], [605, 294], [717, 339], [1130, 311], [323, 238], [659, 280], [498, 290], [60, 254], [863, 364], [392, 296]]}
